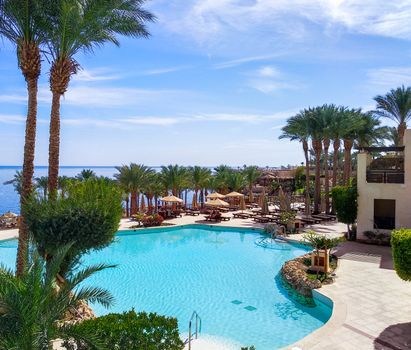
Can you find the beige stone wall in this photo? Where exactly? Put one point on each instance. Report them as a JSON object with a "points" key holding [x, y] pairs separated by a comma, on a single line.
{"points": [[369, 191]]}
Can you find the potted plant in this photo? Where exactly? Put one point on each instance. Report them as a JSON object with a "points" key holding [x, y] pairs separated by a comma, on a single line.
{"points": [[287, 218]]}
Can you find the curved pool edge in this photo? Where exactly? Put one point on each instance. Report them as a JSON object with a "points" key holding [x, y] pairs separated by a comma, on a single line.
{"points": [[337, 319]]}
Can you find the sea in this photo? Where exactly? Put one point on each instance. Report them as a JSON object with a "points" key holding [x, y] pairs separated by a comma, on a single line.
{"points": [[9, 199]]}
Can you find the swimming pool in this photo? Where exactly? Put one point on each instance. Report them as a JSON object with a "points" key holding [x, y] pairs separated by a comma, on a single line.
{"points": [[220, 272]]}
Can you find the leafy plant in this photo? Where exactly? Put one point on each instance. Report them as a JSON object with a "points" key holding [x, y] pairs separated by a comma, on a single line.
{"points": [[288, 217], [270, 229], [88, 216], [131, 331], [346, 206], [401, 252], [33, 309], [152, 220]]}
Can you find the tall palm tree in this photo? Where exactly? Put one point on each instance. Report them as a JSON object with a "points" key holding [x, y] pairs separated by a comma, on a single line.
{"points": [[370, 133], [298, 128], [175, 178], [316, 125], [251, 175], [353, 120], [124, 179], [337, 130], [32, 309], [199, 178], [396, 105], [235, 181], [327, 114], [16, 181], [82, 26], [22, 23], [221, 174]]}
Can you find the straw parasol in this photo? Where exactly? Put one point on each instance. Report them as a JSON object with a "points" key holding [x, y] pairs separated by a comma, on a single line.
{"points": [[9, 215], [284, 203], [234, 195], [264, 207], [217, 203], [171, 199], [215, 195]]}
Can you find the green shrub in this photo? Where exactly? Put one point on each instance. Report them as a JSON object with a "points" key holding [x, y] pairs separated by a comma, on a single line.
{"points": [[401, 251], [131, 331], [346, 206], [87, 217]]}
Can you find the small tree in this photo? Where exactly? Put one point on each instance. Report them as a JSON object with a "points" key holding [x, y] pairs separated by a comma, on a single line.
{"points": [[87, 217], [346, 206], [401, 251]]}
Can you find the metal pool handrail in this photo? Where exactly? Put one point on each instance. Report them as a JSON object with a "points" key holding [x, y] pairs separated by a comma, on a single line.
{"points": [[195, 316]]}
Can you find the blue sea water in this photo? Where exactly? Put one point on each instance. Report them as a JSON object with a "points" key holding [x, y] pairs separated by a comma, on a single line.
{"points": [[9, 200], [221, 273]]}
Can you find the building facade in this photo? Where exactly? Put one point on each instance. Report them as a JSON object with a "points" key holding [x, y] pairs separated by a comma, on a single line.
{"points": [[384, 188]]}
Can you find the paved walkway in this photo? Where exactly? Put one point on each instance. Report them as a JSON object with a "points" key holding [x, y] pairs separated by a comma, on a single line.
{"points": [[372, 308]]}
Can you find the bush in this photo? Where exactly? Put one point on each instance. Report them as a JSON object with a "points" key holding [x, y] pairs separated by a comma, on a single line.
{"points": [[401, 251], [131, 331], [87, 217], [152, 220], [346, 206]]}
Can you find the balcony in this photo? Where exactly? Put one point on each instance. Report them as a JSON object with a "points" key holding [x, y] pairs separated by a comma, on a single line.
{"points": [[386, 165], [385, 177]]}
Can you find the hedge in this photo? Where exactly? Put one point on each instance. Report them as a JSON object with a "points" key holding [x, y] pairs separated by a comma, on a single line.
{"points": [[401, 251]]}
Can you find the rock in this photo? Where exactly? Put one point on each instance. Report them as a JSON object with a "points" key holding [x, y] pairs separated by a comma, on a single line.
{"points": [[294, 273]]}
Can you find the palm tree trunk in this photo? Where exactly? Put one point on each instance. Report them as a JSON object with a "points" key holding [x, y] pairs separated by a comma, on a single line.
{"points": [[54, 145], [347, 160], [336, 145], [317, 191], [133, 202], [28, 172], [127, 206], [326, 143], [307, 178], [401, 131], [250, 193]]}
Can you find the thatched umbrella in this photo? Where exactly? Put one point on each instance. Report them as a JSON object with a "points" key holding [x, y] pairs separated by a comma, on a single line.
{"points": [[9, 215], [171, 199], [215, 195], [234, 195], [217, 203], [284, 203], [264, 207]]}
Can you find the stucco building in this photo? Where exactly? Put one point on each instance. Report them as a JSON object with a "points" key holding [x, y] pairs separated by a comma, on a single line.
{"points": [[384, 188]]}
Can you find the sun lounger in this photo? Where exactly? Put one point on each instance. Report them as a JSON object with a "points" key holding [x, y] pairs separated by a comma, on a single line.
{"points": [[192, 212], [241, 215], [310, 220], [261, 219]]}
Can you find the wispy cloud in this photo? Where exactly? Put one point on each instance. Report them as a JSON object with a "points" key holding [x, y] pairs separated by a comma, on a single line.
{"points": [[165, 70], [92, 75], [240, 61], [11, 119], [388, 77]]}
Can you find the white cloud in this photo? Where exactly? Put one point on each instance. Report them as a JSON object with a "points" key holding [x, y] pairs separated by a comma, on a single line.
{"points": [[389, 77], [240, 61], [12, 119], [249, 25], [158, 71], [92, 75], [268, 71], [155, 121]]}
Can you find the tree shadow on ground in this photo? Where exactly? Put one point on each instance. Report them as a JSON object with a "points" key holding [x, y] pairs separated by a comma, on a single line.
{"points": [[394, 337]]}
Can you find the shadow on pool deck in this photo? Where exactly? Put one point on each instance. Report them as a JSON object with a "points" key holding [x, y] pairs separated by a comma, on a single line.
{"points": [[366, 253], [395, 337]]}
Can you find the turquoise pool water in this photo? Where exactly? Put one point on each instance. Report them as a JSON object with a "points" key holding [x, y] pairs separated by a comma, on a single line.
{"points": [[221, 273]]}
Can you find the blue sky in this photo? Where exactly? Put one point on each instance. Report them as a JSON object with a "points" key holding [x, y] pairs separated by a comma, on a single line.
{"points": [[215, 82]]}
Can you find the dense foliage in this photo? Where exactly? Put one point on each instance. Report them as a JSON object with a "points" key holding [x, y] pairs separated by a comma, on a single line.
{"points": [[87, 217], [345, 205], [401, 251], [152, 220], [31, 306], [131, 331]]}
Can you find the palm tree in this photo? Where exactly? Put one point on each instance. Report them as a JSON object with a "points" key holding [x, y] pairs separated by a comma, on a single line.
{"points": [[251, 175], [392, 136], [337, 130], [329, 115], [396, 105], [32, 309], [16, 181], [298, 128], [316, 125], [82, 26], [175, 178], [86, 174], [41, 184], [133, 178], [221, 174], [124, 179], [63, 184], [152, 189], [199, 179], [370, 133], [235, 181], [21, 22]]}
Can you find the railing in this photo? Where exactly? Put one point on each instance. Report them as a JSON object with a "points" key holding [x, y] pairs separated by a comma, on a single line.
{"points": [[383, 176], [194, 317]]}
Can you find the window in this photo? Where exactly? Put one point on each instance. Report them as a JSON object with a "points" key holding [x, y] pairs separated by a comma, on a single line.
{"points": [[384, 214]]}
